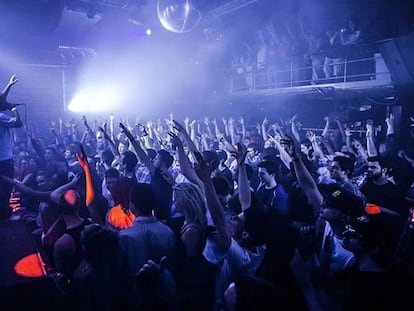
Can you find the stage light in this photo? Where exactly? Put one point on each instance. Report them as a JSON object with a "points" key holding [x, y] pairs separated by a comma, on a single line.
{"points": [[148, 32], [97, 99], [178, 16]]}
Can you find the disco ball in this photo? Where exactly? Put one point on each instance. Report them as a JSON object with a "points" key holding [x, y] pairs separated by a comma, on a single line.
{"points": [[178, 15]]}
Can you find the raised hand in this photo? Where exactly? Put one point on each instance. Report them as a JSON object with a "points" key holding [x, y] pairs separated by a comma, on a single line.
{"points": [[151, 273], [13, 80], [390, 120], [276, 138], [241, 154], [293, 119], [202, 167], [179, 127], [85, 122], [311, 136], [82, 158], [175, 140], [141, 128], [370, 128], [126, 131], [347, 132], [290, 147], [168, 177]]}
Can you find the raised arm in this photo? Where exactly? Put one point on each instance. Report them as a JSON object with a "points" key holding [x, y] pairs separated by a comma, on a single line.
{"points": [[390, 139], [186, 167], [88, 128], [326, 128], [360, 149], [341, 130], [245, 195], [56, 135], [111, 143], [112, 128], [243, 128], [216, 129], [294, 128], [13, 80], [142, 155], [193, 134], [284, 156], [150, 136], [213, 203], [232, 131], [264, 128], [348, 142], [370, 135], [226, 127], [208, 128], [41, 195], [315, 145], [304, 177], [192, 148], [93, 208]]}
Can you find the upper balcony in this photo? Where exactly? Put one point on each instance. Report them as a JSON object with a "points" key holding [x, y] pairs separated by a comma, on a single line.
{"points": [[358, 76]]}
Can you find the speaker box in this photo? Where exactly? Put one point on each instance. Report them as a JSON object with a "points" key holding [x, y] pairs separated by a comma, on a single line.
{"points": [[398, 56]]}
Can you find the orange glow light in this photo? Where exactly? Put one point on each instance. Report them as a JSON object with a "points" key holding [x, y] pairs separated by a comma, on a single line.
{"points": [[30, 266], [119, 219]]}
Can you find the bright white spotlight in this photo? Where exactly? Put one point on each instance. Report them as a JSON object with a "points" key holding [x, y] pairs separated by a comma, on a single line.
{"points": [[148, 32], [99, 99]]}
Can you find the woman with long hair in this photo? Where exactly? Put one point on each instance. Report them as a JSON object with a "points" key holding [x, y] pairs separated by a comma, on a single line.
{"points": [[195, 279]]}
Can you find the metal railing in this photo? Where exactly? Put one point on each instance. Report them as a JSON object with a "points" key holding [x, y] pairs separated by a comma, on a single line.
{"points": [[255, 76]]}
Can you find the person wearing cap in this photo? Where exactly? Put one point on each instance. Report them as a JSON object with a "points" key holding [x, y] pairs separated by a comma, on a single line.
{"points": [[334, 206], [372, 281]]}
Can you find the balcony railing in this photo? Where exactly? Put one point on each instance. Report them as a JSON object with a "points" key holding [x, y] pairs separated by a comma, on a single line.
{"points": [[253, 77]]}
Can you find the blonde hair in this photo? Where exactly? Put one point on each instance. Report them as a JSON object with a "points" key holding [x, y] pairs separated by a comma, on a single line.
{"points": [[192, 203]]}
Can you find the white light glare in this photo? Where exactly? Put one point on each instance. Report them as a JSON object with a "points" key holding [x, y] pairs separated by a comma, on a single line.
{"points": [[148, 32], [95, 100]]}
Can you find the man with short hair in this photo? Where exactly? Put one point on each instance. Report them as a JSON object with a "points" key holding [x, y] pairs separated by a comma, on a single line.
{"points": [[341, 169], [147, 238], [380, 191], [271, 193]]}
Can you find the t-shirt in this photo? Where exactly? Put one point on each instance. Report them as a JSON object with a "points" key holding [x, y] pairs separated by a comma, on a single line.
{"points": [[387, 195]]}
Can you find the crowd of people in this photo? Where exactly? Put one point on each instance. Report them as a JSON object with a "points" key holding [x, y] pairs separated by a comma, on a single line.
{"points": [[208, 215]]}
